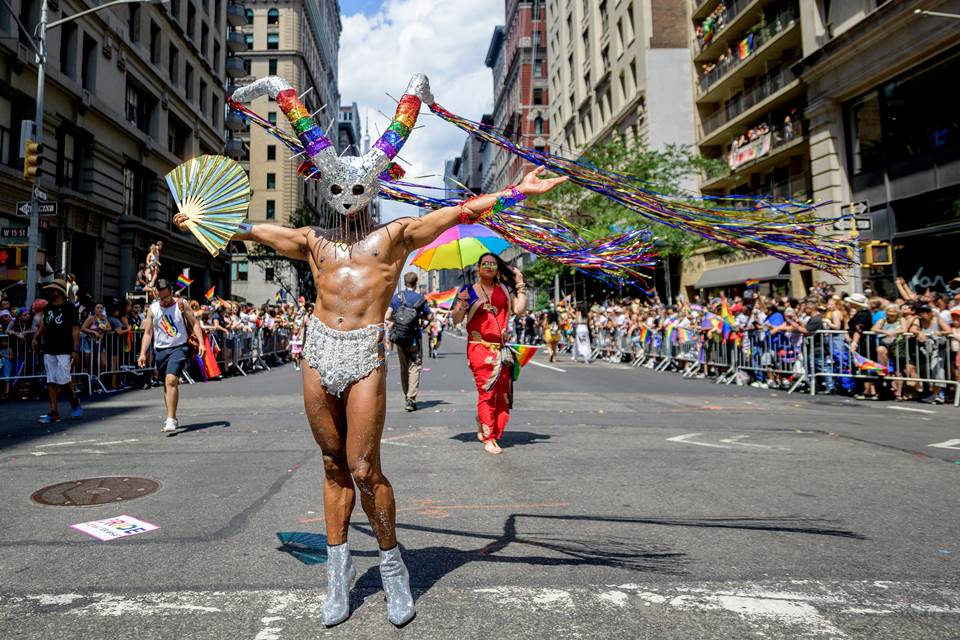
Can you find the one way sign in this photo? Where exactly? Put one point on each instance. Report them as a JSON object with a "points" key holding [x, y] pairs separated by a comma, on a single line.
{"points": [[47, 209]]}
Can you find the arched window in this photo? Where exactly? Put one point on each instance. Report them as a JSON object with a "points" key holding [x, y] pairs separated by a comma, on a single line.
{"points": [[273, 16], [538, 125], [248, 12], [249, 39]]}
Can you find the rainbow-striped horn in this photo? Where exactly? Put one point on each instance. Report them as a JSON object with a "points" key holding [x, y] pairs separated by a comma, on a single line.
{"points": [[319, 149], [386, 148]]}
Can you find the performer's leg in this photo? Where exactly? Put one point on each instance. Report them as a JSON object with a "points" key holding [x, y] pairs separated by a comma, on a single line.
{"points": [[329, 426], [502, 408], [365, 403], [327, 422], [366, 410]]}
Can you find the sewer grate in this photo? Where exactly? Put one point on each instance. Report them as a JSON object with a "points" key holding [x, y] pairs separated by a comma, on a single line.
{"points": [[94, 491]]}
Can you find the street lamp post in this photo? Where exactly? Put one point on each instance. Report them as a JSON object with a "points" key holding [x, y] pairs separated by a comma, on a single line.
{"points": [[38, 41]]}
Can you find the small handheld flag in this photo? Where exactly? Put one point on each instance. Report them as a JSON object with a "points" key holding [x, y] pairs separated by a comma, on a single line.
{"points": [[444, 299], [752, 283], [210, 295], [522, 354], [183, 281], [865, 364]]}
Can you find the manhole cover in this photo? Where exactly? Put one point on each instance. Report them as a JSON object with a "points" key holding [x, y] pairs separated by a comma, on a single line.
{"points": [[94, 491]]}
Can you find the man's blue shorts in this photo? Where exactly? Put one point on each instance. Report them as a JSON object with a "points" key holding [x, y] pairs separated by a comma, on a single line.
{"points": [[170, 362]]}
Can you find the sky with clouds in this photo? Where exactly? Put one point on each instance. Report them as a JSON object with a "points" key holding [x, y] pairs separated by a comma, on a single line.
{"points": [[385, 42]]}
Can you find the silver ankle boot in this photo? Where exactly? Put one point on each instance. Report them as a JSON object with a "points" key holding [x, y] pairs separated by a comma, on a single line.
{"points": [[340, 576], [396, 586]]}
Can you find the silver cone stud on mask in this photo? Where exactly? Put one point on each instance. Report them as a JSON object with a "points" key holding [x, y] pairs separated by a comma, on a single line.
{"points": [[347, 184]]}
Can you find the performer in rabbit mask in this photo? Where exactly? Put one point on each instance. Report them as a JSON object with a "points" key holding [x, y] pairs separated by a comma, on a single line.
{"points": [[355, 265]]}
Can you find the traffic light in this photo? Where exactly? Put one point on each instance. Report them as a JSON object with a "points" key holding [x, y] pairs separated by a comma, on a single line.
{"points": [[877, 254], [32, 159]]}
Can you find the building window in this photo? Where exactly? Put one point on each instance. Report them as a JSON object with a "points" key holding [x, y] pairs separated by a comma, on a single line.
{"points": [[68, 49], [215, 111], [204, 39], [605, 57], [203, 96], [191, 20], [136, 182], [217, 8], [271, 152], [866, 139], [268, 274], [155, 42], [248, 38], [248, 12], [133, 22], [216, 56], [273, 41], [273, 16], [173, 65], [271, 209], [272, 67], [139, 106], [67, 159], [178, 137], [538, 125], [272, 117], [6, 140], [603, 14], [175, 9], [271, 181], [538, 69], [88, 64], [538, 96], [188, 81], [241, 269]]}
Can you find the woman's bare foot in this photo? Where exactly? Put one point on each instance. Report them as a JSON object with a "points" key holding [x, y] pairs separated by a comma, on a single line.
{"points": [[483, 432], [491, 446]]}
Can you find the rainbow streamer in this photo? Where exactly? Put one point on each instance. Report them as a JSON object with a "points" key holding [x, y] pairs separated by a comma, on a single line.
{"points": [[522, 354], [786, 230]]}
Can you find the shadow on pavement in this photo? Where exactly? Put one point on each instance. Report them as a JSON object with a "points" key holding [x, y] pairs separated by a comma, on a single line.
{"points": [[187, 428], [22, 425], [509, 439], [426, 404]]}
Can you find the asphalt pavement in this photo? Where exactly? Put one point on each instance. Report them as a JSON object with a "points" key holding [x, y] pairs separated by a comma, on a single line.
{"points": [[627, 503]]}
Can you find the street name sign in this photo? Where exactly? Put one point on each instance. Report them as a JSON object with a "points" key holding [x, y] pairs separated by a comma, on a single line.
{"points": [[14, 232]]}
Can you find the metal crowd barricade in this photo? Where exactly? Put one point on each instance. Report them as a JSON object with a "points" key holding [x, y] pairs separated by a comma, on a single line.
{"points": [[116, 357], [906, 358], [772, 355]]}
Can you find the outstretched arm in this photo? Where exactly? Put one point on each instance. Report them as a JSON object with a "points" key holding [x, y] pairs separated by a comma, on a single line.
{"points": [[422, 231], [291, 243]]}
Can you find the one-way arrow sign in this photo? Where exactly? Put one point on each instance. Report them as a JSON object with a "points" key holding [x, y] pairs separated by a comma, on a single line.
{"points": [[844, 224], [855, 208], [46, 209]]}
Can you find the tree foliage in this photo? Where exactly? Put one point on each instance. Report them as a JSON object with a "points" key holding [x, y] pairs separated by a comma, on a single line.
{"points": [[291, 275], [665, 171]]}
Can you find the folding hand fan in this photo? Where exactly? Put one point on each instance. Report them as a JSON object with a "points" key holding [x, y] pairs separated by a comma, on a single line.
{"points": [[214, 193]]}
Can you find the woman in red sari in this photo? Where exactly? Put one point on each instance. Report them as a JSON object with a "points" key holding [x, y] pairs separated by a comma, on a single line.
{"points": [[487, 306]]}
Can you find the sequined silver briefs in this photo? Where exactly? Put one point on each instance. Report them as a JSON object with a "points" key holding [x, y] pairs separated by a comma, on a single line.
{"points": [[342, 357]]}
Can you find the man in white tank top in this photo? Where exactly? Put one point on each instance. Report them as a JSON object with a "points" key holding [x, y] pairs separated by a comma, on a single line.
{"points": [[167, 327]]}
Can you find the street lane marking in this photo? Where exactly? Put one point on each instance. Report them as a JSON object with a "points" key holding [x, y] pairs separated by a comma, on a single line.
{"points": [[736, 440], [63, 444], [947, 444], [684, 440], [896, 408]]}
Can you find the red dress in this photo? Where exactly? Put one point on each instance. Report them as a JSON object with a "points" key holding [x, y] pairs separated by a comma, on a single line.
{"points": [[486, 331]]}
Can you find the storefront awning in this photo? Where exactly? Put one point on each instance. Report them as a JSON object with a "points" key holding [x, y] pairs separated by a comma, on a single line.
{"points": [[768, 269]]}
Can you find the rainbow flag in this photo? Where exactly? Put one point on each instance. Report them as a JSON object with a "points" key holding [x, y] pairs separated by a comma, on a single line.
{"points": [[865, 364], [668, 332], [522, 354], [644, 334], [752, 283], [444, 299], [210, 295], [729, 322], [685, 335], [184, 281], [710, 321]]}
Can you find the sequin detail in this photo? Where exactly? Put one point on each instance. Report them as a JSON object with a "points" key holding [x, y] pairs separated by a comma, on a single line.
{"points": [[342, 357]]}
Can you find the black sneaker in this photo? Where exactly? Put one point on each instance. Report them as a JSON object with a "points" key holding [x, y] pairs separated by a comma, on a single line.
{"points": [[411, 405]]}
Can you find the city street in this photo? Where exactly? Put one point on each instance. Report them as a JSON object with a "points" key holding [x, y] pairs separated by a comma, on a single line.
{"points": [[627, 503]]}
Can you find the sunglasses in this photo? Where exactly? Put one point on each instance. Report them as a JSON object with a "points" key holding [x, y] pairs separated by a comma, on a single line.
{"points": [[488, 265]]}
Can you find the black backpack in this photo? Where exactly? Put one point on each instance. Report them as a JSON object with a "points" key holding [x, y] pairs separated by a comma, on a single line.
{"points": [[406, 321]]}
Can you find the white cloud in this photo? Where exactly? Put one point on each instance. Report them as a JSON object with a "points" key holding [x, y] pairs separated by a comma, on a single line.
{"points": [[448, 42]]}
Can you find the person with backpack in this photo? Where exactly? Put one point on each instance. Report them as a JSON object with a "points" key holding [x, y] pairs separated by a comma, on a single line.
{"points": [[406, 316]]}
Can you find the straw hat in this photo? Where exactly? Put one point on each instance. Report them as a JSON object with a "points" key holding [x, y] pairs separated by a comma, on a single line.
{"points": [[857, 300], [57, 284]]}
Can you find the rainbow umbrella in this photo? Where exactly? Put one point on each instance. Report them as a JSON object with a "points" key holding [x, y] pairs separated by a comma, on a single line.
{"points": [[458, 247]]}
